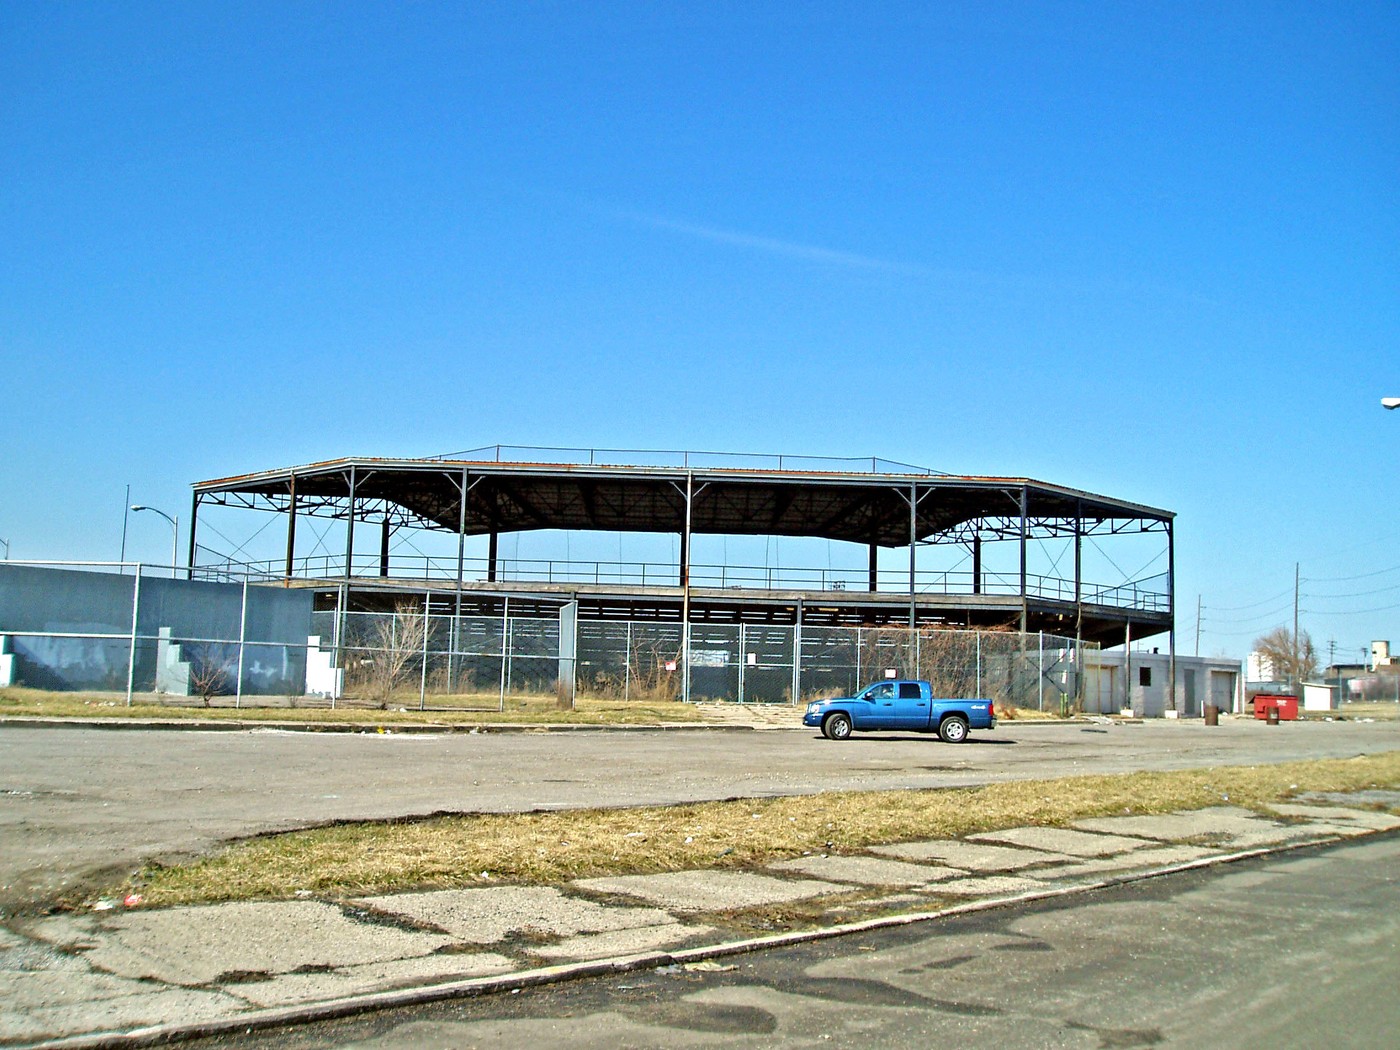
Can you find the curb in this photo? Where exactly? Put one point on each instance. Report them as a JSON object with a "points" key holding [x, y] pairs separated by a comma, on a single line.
{"points": [[246, 725], [241, 725], [259, 1020]]}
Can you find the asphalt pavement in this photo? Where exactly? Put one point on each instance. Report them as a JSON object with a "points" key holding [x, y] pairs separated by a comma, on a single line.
{"points": [[122, 974], [82, 805]]}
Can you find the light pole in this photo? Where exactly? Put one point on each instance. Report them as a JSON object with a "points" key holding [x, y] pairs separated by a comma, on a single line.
{"points": [[174, 538]]}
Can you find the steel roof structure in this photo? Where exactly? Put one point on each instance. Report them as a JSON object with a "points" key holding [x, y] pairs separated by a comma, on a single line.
{"points": [[882, 506], [512, 497]]}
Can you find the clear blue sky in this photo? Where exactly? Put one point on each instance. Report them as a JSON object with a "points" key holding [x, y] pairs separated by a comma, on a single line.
{"points": [[1151, 250]]}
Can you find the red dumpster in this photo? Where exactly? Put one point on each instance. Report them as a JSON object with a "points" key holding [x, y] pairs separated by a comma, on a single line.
{"points": [[1287, 706]]}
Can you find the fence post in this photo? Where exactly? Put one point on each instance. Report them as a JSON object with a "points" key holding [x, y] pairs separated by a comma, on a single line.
{"points": [[979, 664], [797, 663], [427, 629], [339, 660], [858, 656], [131, 655], [627, 666], [1040, 682], [242, 634], [505, 646], [742, 659]]}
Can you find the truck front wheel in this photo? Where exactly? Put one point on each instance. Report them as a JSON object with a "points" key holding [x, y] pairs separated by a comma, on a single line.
{"points": [[837, 727], [953, 729]]}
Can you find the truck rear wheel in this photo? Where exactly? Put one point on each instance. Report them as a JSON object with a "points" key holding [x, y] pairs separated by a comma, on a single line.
{"points": [[837, 727], [953, 729]]}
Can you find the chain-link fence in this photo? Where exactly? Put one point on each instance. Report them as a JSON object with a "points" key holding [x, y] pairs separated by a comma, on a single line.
{"points": [[181, 641]]}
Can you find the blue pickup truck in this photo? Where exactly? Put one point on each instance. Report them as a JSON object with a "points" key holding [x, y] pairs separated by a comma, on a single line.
{"points": [[907, 706]]}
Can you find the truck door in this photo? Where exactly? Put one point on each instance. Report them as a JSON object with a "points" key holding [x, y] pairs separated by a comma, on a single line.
{"points": [[911, 706], [881, 700]]}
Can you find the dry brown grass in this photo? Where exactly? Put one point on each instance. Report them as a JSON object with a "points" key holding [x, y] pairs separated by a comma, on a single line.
{"points": [[481, 709], [554, 847]]}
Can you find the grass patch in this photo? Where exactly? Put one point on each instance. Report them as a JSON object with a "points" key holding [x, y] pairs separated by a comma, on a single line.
{"points": [[1381, 710], [553, 847], [18, 702]]}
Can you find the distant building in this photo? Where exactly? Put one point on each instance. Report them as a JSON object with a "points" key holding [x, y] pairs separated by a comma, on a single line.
{"points": [[1380, 655], [1141, 682], [1260, 668]]}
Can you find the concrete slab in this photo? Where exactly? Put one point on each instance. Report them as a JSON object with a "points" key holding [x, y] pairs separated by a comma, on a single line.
{"points": [[699, 891], [1164, 857], [44, 1007], [1326, 829], [490, 914], [208, 945], [1063, 840], [1362, 818], [971, 856], [1282, 836], [988, 886], [621, 942], [1369, 797], [290, 989], [1218, 823], [866, 871]]}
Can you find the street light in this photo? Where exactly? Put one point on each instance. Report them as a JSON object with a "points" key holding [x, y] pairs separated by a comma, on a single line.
{"points": [[1390, 402], [174, 538]]}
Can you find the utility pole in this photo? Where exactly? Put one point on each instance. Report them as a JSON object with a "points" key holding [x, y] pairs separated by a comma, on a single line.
{"points": [[126, 513], [1198, 625], [1297, 654]]}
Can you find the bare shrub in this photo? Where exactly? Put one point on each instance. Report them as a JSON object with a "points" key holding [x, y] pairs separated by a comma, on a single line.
{"points": [[212, 670], [645, 677], [393, 642]]}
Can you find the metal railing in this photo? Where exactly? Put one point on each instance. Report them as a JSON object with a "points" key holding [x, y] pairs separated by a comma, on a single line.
{"points": [[1147, 595], [625, 457]]}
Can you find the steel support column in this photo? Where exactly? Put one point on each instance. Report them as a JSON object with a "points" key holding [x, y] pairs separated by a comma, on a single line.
{"points": [[683, 566], [1079, 603], [1171, 610], [1128, 667], [874, 567], [913, 553], [492, 550], [1025, 609], [194, 522], [350, 530], [385, 531], [349, 567], [291, 528], [463, 489], [685, 589], [977, 565]]}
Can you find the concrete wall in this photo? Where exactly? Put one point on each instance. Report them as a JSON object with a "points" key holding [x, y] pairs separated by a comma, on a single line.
{"points": [[70, 630]]}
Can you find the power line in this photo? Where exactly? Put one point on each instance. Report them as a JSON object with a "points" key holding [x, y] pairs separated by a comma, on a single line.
{"points": [[1251, 605], [1350, 612], [1256, 618], [1355, 594], [1344, 579]]}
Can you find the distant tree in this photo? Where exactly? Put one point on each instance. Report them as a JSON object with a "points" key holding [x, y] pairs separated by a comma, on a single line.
{"points": [[1294, 659]]}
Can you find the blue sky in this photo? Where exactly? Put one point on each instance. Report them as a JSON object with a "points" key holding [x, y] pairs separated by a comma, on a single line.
{"points": [[1151, 250]]}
